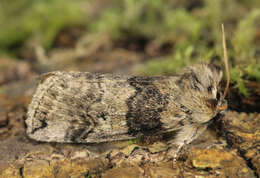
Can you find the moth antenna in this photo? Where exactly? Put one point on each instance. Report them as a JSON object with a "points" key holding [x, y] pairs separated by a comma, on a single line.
{"points": [[226, 61]]}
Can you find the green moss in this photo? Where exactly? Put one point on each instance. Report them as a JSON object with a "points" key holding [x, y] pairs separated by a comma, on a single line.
{"points": [[253, 70], [171, 65], [236, 76], [243, 39], [26, 19], [150, 19]]}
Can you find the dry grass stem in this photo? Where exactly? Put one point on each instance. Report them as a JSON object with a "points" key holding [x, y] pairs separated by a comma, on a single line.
{"points": [[226, 61]]}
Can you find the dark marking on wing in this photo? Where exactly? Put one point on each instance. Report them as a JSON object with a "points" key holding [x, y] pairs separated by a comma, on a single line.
{"points": [[76, 134], [195, 81], [102, 115], [144, 107], [42, 126], [189, 78], [85, 135], [81, 128]]}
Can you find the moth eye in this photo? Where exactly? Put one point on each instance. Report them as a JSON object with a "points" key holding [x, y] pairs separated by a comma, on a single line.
{"points": [[212, 103], [209, 89]]}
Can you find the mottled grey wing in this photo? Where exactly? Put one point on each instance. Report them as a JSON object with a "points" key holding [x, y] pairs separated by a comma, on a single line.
{"points": [[85, 108]]}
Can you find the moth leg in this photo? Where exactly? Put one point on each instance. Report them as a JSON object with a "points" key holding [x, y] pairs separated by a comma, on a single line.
{"points": [[185, 136], [176, 153]]}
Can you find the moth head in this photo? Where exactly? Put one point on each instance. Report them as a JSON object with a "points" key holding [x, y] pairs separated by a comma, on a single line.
{"points": [[202, 83], [206, 78]]}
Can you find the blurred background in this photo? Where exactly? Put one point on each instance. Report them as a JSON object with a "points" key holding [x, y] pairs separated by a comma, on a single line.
{"points": [[138, 37]]}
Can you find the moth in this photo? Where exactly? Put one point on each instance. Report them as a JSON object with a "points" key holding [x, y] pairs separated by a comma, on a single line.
{"points": [[80, 107]]}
